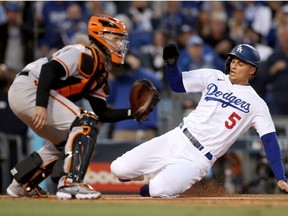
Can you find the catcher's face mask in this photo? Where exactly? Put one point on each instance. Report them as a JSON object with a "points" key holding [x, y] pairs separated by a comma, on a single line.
{"points": [[109, 34], [118, 46]]}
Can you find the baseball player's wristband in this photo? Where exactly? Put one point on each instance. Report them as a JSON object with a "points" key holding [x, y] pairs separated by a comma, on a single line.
{"points": [[175, 79], [129, 113]]}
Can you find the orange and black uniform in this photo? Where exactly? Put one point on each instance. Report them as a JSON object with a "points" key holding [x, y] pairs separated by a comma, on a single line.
{"points": [[95, 76]]}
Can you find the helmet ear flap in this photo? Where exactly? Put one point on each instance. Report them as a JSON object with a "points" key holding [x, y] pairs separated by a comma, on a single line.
{"points": [[227, 65]]}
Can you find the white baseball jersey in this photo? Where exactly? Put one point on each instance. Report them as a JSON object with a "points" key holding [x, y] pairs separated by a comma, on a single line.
{"points": [[225, 111]]}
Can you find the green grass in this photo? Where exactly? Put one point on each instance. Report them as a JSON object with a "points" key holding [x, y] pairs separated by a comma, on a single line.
{"points": [[82, 208]]}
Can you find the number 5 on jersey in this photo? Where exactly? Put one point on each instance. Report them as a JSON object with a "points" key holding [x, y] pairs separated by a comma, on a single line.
{"points": [[231, 122]]}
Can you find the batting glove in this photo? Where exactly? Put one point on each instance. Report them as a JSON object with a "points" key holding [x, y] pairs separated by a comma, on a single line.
{"points": [[170, 54]]}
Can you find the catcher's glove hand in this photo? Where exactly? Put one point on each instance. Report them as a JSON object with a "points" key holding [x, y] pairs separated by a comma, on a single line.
{"points": [[143, 97]]}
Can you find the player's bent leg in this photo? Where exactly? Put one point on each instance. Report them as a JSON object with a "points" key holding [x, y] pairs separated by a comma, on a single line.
{"points": [[175, 179], [79, 150], [120, 170], [123, 173], [158, 188]]}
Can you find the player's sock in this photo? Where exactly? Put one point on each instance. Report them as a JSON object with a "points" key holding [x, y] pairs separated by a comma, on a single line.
{"points": [[144, 190]]}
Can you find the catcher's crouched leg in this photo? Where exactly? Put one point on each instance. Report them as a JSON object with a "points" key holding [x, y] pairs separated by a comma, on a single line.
{"points": [[79, 150], [28, 174]]}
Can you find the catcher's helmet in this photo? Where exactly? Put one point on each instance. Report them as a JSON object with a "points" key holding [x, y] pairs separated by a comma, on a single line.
{"points": [[244, 52], [99, 25]]}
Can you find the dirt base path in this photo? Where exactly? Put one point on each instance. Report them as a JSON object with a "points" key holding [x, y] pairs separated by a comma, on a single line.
{"points": [[225, 200]]}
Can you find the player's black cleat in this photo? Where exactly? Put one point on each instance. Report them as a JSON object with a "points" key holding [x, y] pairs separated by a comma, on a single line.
{"points": [[144, 190]]}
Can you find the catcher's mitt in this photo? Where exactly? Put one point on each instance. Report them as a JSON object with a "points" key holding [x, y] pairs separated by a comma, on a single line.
{"points": [[143, 97]]}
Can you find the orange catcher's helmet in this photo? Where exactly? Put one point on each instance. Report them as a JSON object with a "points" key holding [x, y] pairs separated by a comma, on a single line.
{"points": [[109, 35]]}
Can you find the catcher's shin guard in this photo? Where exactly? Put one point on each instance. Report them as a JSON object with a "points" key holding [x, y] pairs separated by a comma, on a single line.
{"points": [[39, 176], [31, 171], [25, 169], [80, 145]]}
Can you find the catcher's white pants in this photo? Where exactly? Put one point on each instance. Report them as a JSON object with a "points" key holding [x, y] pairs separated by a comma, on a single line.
{"points": [[176, 162]]}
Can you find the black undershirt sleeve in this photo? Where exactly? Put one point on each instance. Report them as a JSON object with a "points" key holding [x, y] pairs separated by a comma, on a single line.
{"points": [[50, 71], [107, 114]]}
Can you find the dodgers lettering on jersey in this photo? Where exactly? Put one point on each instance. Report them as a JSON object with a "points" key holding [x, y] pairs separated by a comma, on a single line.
{"points": [[225, 111], [226, 98]]}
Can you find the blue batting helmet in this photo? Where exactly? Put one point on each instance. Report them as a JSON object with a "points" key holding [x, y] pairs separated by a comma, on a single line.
{"points": [[244, 52]]}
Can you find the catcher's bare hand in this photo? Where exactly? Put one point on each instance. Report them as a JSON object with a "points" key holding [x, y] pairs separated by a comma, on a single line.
{"points": [[283, 185], [40, 116]]}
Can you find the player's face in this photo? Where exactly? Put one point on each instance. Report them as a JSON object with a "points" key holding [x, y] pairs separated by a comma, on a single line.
{"points": [[114, 41], [240, 71]]}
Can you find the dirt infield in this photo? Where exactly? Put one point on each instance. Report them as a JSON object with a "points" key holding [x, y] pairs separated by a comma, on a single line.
{"points": [[202, 194], [276, 200], [232, 200]]}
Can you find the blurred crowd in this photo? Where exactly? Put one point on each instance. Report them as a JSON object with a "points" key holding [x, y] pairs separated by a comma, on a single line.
{"points": [[205, 31]]}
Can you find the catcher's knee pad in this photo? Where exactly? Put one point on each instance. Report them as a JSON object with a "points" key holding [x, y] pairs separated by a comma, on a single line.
{"points": [[81, 145], [31, 171]]}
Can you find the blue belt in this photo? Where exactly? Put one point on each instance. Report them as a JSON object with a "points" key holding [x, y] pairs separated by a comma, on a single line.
{"points": [[195, 142]]}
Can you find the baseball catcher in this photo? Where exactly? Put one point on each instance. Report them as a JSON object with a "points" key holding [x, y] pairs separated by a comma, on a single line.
{"points": [[44, 96]]}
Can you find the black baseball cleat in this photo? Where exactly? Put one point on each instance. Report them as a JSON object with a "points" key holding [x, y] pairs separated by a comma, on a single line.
{"points": [[144, 191]]}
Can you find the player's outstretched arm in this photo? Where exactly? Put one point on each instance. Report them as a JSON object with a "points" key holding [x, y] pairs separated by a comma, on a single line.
{"points": [[174, 76], [106, 113], [273, 154]]}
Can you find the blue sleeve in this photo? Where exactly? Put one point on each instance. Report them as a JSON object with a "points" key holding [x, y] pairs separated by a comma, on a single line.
{"points": [[174, 77], [273, 155]]}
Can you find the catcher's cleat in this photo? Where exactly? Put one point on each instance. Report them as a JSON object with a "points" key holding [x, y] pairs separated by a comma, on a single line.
{"points": [[78, 191], [144, 190], [16, 190]]}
